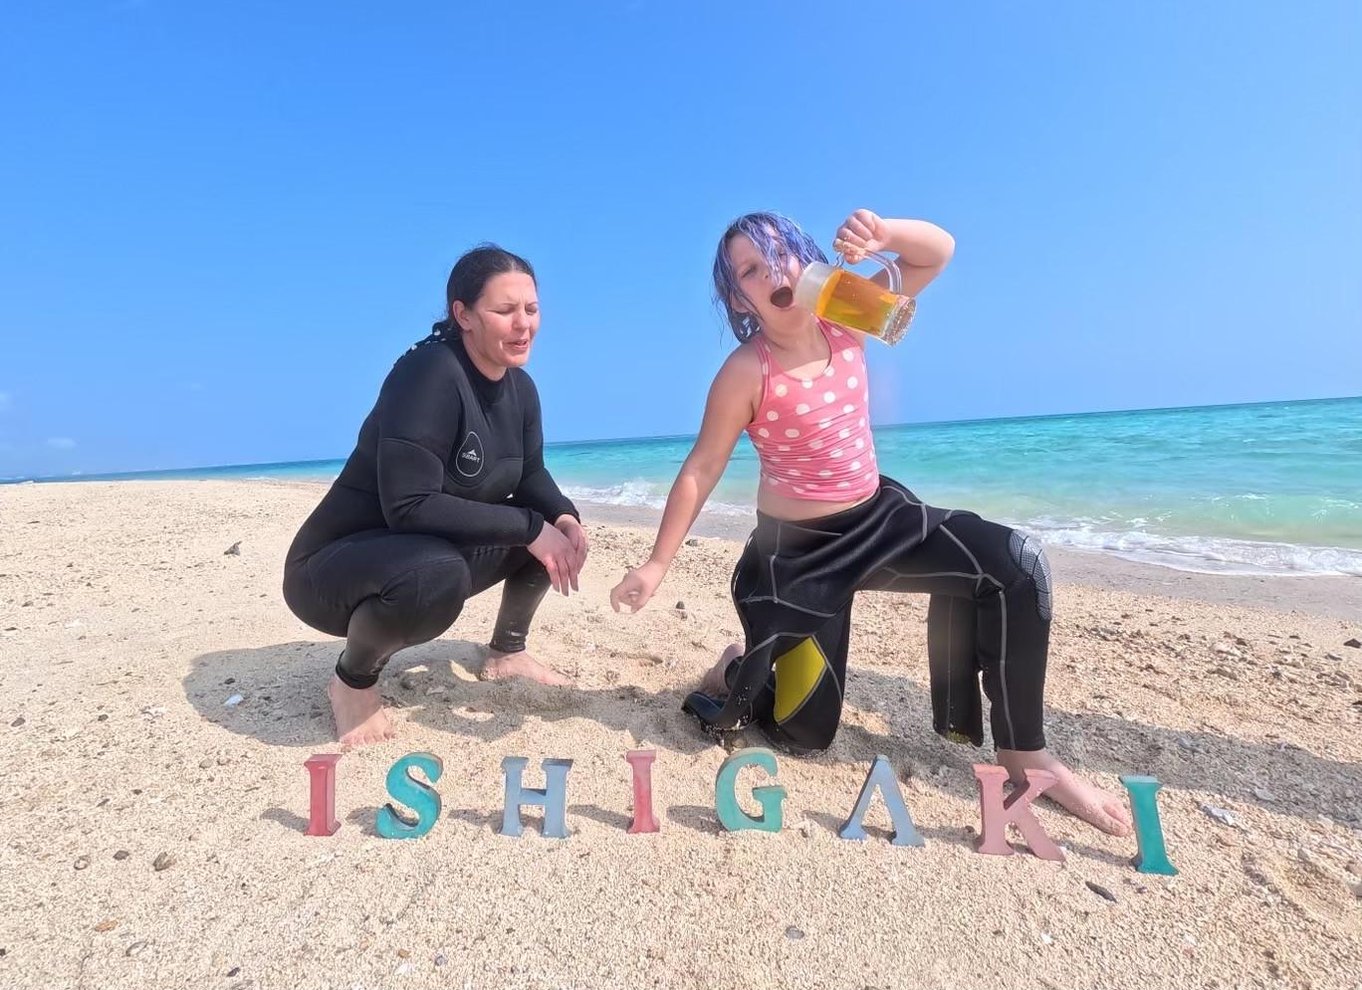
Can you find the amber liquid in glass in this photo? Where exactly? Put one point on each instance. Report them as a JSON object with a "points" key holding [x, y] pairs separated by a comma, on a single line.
{"points": [[859, 303]]}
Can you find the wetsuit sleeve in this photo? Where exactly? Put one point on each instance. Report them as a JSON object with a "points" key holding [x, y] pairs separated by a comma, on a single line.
{"points": [[537, 489], [420, 413]]}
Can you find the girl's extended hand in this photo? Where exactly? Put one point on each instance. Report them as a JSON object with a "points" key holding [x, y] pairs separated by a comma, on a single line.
{"points": [[637, 587]]}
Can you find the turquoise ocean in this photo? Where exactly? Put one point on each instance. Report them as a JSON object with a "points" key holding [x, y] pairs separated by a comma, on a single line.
{"points": [[1263, 488]]}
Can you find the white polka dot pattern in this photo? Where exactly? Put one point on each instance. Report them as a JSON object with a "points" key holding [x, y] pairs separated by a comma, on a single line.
{"points": [[826, 451]]}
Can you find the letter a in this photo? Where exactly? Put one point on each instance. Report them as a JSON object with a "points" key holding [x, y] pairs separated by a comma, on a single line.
{"points": [[881, 775]]}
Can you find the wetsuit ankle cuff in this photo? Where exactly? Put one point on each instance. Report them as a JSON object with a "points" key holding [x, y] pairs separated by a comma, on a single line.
{"points": [[357, 681]]}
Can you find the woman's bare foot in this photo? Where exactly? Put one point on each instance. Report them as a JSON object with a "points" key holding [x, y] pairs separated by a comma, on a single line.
{"points": [[1095, 806], [500, 666], [360, 718], [714, 683]]}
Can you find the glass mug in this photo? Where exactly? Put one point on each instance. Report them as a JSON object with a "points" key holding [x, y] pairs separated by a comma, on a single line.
{"points": [[841, 296]]}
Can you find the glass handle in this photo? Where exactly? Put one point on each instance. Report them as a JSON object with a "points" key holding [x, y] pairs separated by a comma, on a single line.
{"points": [[895, 275]]}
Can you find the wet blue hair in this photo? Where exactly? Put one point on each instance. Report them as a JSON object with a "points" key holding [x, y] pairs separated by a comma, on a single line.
{"points": [[775, 235]]}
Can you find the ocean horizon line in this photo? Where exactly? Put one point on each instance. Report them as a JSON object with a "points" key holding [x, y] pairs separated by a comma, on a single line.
{"points": [[133, 473]]}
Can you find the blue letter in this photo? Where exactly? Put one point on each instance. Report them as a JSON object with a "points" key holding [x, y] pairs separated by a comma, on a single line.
{"points": [[882, 776], [1152, 856], [421, 798], [726, 803], [552, 798]]}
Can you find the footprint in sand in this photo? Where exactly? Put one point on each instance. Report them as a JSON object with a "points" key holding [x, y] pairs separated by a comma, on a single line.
{"points": [[1310, 882]]}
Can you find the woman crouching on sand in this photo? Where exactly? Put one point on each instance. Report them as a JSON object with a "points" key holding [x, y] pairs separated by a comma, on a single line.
{"points": [[445, 495]]}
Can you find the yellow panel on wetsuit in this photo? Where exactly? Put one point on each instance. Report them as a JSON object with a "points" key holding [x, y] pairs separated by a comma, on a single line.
{"points": [[798, 672]]}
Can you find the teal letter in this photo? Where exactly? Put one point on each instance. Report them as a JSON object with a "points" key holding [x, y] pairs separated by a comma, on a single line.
{"points": [[1152, 856], [552, 798], [421, 798], [726, 803], [882, 776]]}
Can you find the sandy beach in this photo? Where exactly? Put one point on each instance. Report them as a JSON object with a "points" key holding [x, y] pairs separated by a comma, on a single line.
{"points": [[151, 835]]}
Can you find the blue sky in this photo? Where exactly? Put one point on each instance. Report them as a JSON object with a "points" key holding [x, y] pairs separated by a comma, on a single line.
{"points": [[223, 222]]}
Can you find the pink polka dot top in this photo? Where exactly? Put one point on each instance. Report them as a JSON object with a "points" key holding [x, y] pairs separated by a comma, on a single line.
{"points": [[813, 436]]}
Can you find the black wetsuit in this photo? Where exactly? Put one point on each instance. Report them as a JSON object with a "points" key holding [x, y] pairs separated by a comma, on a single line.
{"points": [[989, 617], [444, 491]]}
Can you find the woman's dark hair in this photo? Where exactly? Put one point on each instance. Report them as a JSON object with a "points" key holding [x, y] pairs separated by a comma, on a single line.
{"points": [[475, 269]]}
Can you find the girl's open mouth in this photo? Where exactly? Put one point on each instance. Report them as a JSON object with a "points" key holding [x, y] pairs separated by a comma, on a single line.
{"points": [[783, 297]]}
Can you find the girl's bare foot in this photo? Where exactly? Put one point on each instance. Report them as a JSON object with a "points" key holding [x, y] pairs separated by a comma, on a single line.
{"points": [[713, 683], [1097, 807], [500, 666], [360, 718]]}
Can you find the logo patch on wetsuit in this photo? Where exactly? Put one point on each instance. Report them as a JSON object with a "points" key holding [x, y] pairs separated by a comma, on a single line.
{"points": [[469, 459]]}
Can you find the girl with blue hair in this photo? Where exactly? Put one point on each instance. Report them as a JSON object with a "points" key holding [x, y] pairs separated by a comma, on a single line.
{"points": [[829, 525]]}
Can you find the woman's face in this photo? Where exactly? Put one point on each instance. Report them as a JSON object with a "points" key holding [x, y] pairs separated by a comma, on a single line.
{"points": [[499, 328], [758, 282]]}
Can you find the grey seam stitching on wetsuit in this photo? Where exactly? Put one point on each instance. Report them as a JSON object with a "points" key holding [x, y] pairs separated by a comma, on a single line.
{"points": [[922, 507], [950, 655], [1002, 659], [816, 532], [771, 566], [769, 639], [778, 601], [906, 499], [901, 574]]}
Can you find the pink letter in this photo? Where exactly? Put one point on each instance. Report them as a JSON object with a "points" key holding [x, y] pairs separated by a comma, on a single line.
{"points": [[321, 767], [998, 813], [642, 762]]}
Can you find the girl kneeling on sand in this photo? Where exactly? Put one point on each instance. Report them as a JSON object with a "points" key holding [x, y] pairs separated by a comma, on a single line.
{"points": [[829, 525]]}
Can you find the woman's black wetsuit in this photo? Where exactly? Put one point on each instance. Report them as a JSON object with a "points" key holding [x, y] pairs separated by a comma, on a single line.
{"points": [[444, 491]]}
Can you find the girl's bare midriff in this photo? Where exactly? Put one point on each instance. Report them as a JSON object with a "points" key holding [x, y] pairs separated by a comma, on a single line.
{"points": [[800, 509]]}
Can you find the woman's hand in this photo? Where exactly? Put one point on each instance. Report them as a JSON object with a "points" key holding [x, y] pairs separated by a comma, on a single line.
{"points": [[860, 233], [637, 587], [555, 551], [576, 535]]}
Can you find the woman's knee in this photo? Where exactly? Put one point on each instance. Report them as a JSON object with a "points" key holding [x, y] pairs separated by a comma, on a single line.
{"points": [[303, 601], [429, 596]]}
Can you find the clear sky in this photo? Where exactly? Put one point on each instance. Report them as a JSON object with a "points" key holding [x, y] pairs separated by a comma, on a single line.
{"points": [[221, 223]]}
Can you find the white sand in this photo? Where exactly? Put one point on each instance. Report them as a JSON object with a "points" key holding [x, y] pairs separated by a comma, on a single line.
{"points": [[124, 628]]}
